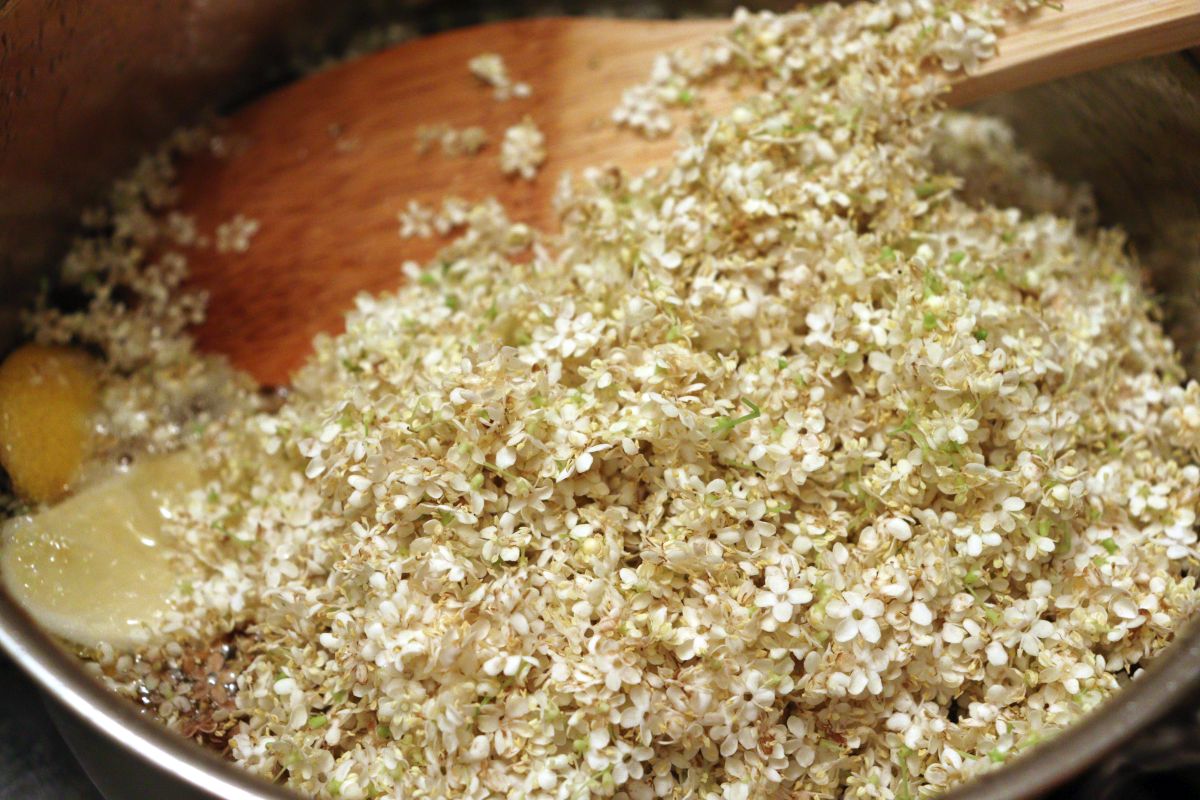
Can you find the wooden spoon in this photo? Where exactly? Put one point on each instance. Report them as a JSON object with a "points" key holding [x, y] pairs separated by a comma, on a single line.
{"points": [[325, 164]]}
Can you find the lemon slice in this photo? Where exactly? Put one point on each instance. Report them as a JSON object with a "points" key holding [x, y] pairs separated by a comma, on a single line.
{"points": [[95, 568], [47, 398]]}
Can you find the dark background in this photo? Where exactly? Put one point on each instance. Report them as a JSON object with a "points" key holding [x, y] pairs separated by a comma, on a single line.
{"points": [[35, 763]]}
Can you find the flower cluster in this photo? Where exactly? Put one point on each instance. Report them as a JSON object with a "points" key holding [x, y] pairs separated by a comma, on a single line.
{"points": [[234, 236], [453, 141], [522, 150], [798, 467], [490, 69]]}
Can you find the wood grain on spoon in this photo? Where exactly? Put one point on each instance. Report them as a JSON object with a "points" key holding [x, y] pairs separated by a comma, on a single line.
{"points": [[326, 163]]}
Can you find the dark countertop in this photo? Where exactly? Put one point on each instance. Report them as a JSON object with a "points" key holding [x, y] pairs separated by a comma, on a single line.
{"points": [[35, 763]]}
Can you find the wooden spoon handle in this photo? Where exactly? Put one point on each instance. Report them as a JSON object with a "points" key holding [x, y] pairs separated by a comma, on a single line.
{"points": [[1080, 35]]}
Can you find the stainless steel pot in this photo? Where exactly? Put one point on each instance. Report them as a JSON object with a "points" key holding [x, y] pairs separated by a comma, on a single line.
{"points": [[85, 85]]}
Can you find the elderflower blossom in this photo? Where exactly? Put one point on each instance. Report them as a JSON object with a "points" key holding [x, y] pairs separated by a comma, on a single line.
{"points": [[798, 466], [522, 150], [234, 236], [780, 599], [857, 617], [491, 70], [453, 141]]}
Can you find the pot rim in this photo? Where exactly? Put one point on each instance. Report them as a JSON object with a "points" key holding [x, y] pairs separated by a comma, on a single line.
{"points": [[1173, 676], [63, 678]]}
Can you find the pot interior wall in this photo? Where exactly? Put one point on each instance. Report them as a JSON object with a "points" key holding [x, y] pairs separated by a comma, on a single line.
{"points": [[1133, 133]]}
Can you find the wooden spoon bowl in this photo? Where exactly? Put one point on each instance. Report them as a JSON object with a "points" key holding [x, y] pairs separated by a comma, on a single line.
{"points": [[326, 164]]}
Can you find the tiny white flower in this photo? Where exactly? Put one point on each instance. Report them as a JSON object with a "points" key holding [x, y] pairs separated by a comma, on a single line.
{"points": [[857, 614], [781, 598], [920, 614], [897, 528]]}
